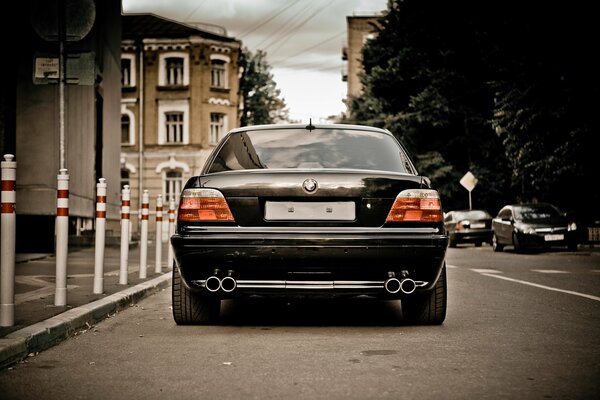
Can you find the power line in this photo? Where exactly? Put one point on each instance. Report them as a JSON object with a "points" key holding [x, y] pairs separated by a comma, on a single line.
{"points": [[313, 46], [200, 3], [262, 23], [294, 30], [285, 25]]}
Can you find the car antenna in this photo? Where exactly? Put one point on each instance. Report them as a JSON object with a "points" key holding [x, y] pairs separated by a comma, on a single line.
{"points": [[310, 126]]}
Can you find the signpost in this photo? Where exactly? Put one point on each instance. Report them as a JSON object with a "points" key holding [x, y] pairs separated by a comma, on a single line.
{"points": [[469, 181]]}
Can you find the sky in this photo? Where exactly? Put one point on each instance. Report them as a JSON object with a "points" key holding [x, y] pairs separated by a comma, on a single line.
{"points": [[303, 40]]}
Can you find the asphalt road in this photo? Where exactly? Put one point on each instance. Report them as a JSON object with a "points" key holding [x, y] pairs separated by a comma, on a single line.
{"points": [[519, 326]]}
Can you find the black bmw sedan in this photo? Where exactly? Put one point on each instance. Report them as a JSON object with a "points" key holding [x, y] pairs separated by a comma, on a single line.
{"points": [[312, 212]]}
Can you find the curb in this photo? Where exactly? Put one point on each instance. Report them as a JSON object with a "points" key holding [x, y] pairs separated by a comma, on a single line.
{"points": [[18, 345]]}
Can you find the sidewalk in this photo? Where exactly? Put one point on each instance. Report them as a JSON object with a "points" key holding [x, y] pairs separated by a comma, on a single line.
{"points": [[39, 324]]}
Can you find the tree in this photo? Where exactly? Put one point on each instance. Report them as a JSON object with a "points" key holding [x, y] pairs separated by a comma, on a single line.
{"points": [[504, 93], [426, 80], [263, 103]]}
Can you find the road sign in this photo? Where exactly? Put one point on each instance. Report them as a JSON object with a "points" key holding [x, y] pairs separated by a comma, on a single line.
{"points": [[468, 181]]}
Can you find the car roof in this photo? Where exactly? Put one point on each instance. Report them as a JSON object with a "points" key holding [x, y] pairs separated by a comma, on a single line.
{"points": [[309, 127]]}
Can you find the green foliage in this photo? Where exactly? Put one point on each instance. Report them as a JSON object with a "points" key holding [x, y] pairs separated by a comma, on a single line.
{"points": [[502, 93], [263, 103]]}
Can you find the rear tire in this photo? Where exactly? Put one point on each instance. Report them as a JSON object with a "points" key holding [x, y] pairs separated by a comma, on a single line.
{"points": [[190, 308], [427, 308], [497, 247]]}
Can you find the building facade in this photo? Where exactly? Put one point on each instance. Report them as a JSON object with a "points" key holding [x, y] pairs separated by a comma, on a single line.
{"points": [[31, 106], [359, 29], [180, 95]]}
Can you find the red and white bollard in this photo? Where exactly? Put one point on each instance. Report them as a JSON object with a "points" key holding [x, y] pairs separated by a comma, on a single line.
{"points": [[62, 237], [144, 235], [171, 231], [7, 253], [158, 240], [125, 204], [100, 236]]}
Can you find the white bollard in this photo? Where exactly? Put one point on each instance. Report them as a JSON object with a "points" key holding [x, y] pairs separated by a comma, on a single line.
{"points": [[171, 231], [7, 253], [62, 237], [144, 235], [125, 204], [100, 236], [158, 240]]}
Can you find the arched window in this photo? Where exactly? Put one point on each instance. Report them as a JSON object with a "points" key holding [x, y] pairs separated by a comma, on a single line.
{"points": [[219, 71], [173, 183], [127, 126]]}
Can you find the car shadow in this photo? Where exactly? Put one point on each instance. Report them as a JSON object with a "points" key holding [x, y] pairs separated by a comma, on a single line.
{"points": [[313, 312]]}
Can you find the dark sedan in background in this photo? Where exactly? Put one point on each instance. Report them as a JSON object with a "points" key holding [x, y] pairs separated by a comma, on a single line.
{"points": [[468, 226], [311, 212], [533, 226]]}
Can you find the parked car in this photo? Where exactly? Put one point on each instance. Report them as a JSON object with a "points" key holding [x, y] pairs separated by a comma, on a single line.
{"points": [[309, 211], [530, 226], [468, 226]]}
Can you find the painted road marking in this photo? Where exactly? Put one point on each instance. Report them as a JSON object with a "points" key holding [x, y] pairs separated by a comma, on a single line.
{"points": [[486, 271], [550, 271], [587, 296]]}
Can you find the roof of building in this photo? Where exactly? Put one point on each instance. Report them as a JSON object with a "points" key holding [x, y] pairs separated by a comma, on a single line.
{"points": [[135, 26]]}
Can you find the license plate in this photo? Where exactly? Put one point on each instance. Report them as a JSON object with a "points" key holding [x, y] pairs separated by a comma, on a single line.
{"points": [[310, 211], [477, 225], [551, 238]]}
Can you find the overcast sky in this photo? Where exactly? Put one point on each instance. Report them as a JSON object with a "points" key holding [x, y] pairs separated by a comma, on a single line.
{"points": [[303, 40]]}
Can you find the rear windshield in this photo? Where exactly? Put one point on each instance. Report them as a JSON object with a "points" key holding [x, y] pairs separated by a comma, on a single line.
{"points": [[320, 148], [536, 212]]}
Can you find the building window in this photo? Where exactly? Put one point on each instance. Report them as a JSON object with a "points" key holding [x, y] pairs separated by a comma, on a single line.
{"points": [[173, 122], [173, 182], [124, 177], [219, 71], [217, 75], [127, 126], [174, 127], [217, 127], [128, 70], [174, 69]]}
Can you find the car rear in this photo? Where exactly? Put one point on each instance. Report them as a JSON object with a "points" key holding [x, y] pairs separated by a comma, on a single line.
{"points": [[278, 213]]}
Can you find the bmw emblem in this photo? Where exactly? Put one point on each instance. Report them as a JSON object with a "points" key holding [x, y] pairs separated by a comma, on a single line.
{"points": [[310, 185]]}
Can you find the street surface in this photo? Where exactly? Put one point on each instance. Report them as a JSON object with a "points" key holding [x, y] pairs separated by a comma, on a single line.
{"points": [[519, 326]]}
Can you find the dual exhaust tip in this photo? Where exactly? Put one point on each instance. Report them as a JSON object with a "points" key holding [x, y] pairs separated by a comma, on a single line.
{"points": [[226, 284], [394, 285]]}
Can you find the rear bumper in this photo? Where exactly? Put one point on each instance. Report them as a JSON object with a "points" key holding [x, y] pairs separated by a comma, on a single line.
{"points": [[307, 261]]}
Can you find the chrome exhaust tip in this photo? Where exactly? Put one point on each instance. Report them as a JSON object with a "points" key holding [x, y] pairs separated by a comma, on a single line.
{"points": [[228, 284], [408, 286], [212, 283], [392, 285]]}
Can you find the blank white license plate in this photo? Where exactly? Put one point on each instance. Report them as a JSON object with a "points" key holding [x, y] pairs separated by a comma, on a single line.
{"points": [[310, 211], [552, 238], [477, 225]]}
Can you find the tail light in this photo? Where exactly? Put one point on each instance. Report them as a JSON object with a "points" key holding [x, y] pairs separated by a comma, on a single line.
{"points": [[203, 205], [416, 205]]}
